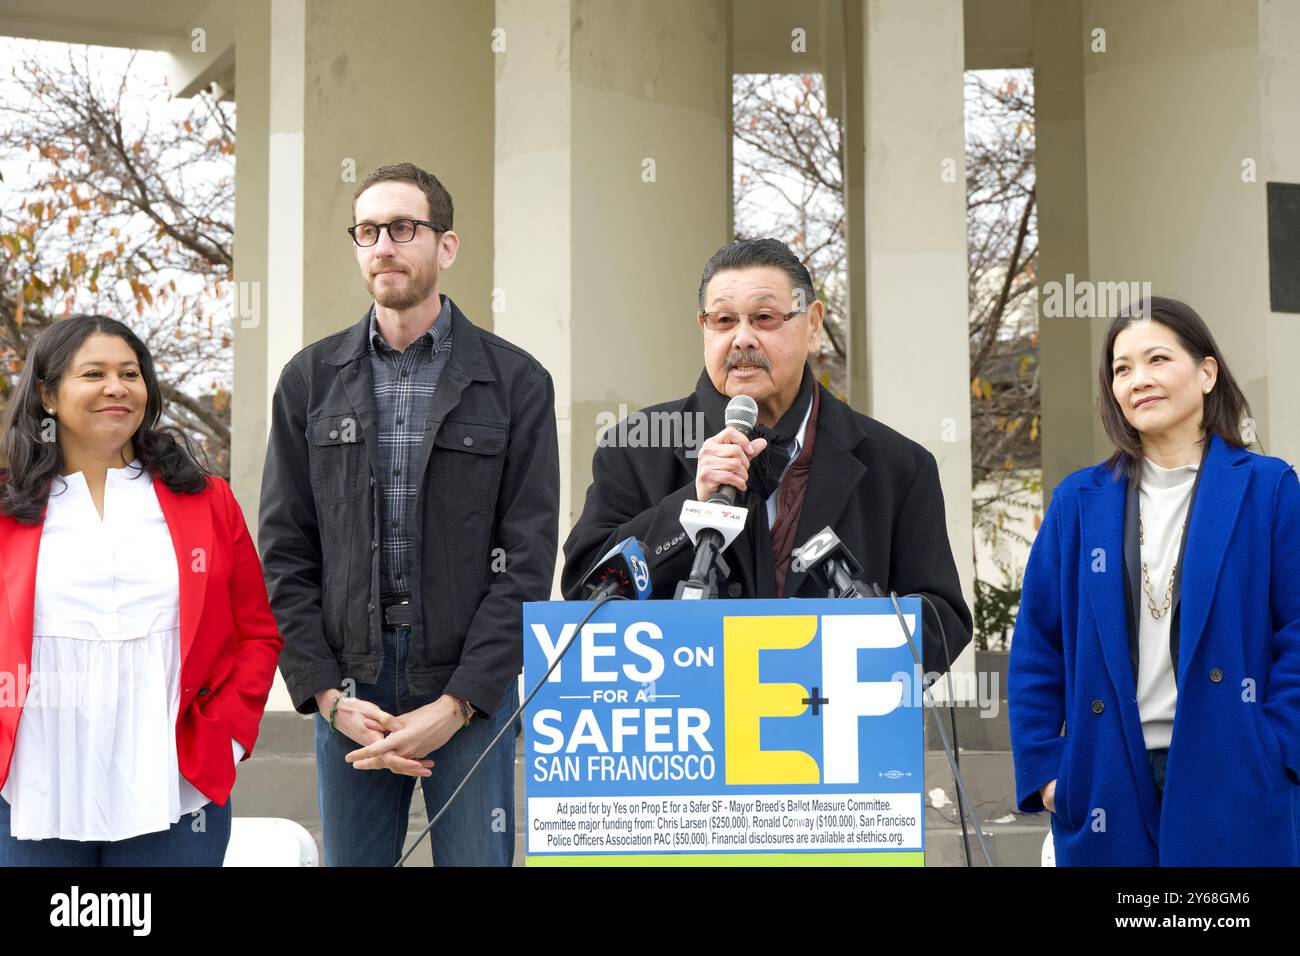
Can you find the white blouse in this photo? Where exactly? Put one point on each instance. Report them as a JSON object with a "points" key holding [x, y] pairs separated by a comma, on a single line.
{"points": [[95, 755], [1163, 496]]}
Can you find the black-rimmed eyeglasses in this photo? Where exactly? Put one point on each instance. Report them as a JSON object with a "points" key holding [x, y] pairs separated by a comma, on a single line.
{"points": [[399, 230]]}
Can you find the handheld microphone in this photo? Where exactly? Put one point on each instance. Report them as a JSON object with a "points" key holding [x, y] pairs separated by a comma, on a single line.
{"points": [[742, 415], [714, 524], [622, 571]]}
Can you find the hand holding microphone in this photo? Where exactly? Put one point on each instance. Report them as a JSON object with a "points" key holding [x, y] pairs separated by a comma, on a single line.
{"points": [[723, 463], [721, 473]]}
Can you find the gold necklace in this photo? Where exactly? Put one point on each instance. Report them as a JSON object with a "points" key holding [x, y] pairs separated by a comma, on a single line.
{"points": [[1157, 611]]}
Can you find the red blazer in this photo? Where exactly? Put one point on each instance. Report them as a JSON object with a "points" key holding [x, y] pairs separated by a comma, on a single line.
{"points": [[229, 641]]}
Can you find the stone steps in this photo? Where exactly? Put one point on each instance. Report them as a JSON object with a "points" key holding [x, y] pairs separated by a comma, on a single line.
{"points": [[1017, 844], [976, 729], [1013, 839]]}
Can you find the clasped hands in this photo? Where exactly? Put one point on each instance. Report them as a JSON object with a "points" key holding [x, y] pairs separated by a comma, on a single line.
{"points": [[397, 743]]}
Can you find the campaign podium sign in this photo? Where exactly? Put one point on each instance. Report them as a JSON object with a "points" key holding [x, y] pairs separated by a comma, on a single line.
{"points": [[743, 733]]}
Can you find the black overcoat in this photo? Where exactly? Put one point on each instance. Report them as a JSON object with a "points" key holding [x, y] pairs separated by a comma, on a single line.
{"points": [[878, 491]]}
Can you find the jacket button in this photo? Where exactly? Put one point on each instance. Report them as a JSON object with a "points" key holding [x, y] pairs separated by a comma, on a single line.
{"points": [[1098, 707], [1216, 675], [733, 589], [659, 549], [334, 433], [370, 608], [468, 441], [372, 481], [374, 545]]}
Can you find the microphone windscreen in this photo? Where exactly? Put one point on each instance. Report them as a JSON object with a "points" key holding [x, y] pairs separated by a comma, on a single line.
{"points": [[742, 413]]}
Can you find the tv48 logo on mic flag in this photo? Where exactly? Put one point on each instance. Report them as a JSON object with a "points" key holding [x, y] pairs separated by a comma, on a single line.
{"points": [[697, 731]]}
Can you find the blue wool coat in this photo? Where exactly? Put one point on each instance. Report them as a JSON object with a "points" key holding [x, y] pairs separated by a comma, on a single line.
{"points": [[1231, 780]]}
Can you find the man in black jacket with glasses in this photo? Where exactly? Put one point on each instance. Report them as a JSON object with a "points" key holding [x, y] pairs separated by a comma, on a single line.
{"points": [[410, 506]]}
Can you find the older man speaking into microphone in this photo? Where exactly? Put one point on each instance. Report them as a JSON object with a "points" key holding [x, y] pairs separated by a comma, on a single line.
{"points": [[811, 462]]}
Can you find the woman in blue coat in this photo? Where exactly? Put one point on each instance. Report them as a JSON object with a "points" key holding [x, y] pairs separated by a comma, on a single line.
{"points": [[1154, 685]]}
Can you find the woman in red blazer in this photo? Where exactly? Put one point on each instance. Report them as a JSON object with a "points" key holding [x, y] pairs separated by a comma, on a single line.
{"points": [[137, 646]]}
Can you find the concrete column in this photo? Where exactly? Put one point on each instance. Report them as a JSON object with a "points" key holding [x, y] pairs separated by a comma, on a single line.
{"points": [[1154, 149], [285, 241], [914, 216], [612, 191], [252, 148], [855, 200], [1171, 118], [1071, 431], [341, 92], [327, 91], [1279, 161]]}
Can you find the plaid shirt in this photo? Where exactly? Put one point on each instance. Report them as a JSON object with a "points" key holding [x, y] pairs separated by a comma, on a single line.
{"points": [[404, 387]]}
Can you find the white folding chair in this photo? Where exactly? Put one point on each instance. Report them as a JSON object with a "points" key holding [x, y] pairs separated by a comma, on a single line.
{"points": [[269, 841]]}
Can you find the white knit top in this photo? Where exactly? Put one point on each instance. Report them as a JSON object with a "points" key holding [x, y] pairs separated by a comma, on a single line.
{"points": [[1163, 496]]}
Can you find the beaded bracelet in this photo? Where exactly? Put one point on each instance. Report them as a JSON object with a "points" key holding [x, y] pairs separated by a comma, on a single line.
{"points": [[334, 709]]}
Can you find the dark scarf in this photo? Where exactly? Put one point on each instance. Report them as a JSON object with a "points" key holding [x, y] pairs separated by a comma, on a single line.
{"points": [[790, 496], [765, 471]]}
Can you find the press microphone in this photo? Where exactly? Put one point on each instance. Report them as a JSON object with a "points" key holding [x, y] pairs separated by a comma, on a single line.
{"points": [[832, 566], [835, 570], [622, 571], [742, 415]]}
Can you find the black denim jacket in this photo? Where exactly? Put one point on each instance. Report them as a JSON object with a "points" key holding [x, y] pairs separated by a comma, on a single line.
{"points": [[486, 519]]}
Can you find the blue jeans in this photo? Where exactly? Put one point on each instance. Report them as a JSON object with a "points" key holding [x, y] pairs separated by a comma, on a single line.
{"points": [[196, 839], [364, 813]]}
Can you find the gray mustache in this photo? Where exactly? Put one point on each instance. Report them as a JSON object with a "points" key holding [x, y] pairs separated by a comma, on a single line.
{"points": [[748, 358]]}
